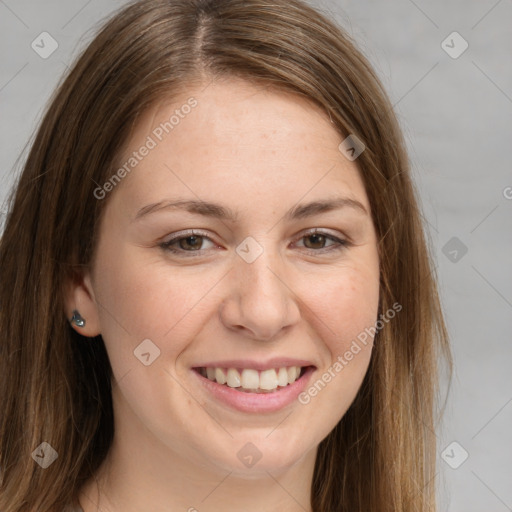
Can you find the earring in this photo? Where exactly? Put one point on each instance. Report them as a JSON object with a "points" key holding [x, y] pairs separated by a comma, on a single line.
{"points": [[77, 319]]}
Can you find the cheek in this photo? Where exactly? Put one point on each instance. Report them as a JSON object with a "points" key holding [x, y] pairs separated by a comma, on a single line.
{"points": [[144, 293], [345, 304], [344, 312], [140, 300]]}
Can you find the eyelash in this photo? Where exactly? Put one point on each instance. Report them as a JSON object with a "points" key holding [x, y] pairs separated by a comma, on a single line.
{"points": [[340, 244]]}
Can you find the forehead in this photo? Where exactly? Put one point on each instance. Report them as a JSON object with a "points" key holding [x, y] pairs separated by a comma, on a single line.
{"points": [[236, 141]]}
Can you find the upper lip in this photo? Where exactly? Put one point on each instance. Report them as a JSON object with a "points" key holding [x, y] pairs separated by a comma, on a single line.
{"points": [[276, 362]]}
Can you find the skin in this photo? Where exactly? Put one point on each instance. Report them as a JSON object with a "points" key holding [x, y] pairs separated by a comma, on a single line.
{"points": [[259, 153]]}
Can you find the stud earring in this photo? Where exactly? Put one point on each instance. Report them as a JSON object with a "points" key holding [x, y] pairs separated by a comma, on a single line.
{"points": [[77, 319]]}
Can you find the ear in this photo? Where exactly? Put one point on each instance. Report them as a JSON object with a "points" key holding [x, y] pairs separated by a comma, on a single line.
{"points": [[79, 295]]}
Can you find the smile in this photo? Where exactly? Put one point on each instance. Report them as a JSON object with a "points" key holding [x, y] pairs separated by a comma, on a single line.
{"points": [[254, 391], [253, 381]]}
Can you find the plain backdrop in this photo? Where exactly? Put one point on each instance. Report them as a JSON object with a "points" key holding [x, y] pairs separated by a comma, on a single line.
{"points": [[455, 107]]}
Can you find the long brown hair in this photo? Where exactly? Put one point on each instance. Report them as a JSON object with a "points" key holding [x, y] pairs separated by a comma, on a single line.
{"points": [[55, 385]]}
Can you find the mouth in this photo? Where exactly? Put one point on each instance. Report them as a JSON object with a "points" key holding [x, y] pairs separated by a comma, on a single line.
{"points": [[248, 380], [254, 391]]}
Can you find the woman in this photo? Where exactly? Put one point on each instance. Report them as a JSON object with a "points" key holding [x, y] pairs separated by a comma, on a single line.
{"points": [[214, 277]]}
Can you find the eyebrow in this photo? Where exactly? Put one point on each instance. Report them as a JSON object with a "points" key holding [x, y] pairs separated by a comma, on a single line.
{"points": [[208, 209]]}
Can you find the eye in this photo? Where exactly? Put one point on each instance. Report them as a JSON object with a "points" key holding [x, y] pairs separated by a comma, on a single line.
{"points": [[189, 242], [319, 241]]}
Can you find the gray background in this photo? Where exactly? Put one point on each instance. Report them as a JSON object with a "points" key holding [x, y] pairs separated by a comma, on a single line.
{"points": [[456, 114]]}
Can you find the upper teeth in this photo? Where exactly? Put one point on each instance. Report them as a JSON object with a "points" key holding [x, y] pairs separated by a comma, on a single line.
{"points": [[253, 379]]}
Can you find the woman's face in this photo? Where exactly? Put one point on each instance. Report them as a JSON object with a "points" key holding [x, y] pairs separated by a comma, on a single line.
{"points": [[267, 260]]}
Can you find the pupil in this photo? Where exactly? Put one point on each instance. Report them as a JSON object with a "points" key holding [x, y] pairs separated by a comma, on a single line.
{"points": [[318, 241], [195, 242]]}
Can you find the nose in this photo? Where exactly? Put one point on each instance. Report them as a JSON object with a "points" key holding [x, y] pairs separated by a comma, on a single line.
{"points": [[260, 302]]}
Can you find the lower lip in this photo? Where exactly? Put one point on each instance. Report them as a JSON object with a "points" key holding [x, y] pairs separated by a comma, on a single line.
{"points": [[256, 402]]}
